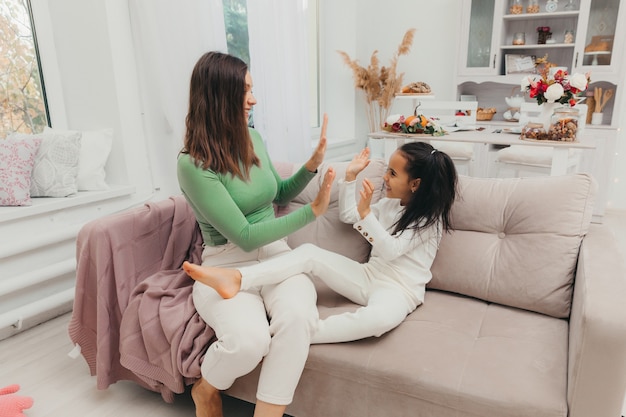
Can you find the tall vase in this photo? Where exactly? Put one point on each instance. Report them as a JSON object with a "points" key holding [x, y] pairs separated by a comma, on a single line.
{"points": [[547, 109]]}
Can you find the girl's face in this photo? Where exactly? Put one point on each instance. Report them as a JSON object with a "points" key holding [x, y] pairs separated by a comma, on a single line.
{"points": [[397, 181], [249, 100]]}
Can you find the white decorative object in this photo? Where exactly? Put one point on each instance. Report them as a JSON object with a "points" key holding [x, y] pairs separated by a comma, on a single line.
{"points": [[547, 109], [597, 118], [552, 5]]}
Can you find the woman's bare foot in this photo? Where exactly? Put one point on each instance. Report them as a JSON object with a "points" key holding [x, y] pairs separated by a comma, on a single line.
{"points": [[227, 282], [321, 202], [207, 399]]}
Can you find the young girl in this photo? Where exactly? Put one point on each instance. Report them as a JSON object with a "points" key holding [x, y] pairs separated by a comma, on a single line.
{"points": [[404, 230]]}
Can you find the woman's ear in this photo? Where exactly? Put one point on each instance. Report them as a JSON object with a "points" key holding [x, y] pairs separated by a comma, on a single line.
{"points": [[415, 184]]}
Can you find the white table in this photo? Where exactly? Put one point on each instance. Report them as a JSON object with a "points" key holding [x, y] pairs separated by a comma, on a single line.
{"points": [[483, 140]]}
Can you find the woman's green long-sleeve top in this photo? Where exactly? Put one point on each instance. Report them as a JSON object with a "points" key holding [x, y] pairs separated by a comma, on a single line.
{"points": [[229, 209]]}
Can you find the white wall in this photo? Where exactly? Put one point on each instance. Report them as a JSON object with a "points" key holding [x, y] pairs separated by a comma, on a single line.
{"points": [[98, 79], [432, 60]]}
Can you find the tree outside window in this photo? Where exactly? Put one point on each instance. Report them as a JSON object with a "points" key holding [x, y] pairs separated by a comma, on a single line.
{"points": [[22, 98], [236, 22], [237, 40]]}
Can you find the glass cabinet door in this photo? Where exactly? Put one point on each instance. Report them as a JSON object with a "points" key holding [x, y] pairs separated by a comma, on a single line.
{"points": [[479, 41], [601, 35], [478, 49]]}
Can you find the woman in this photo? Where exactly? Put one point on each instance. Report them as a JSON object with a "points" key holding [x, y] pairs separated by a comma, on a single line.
{"points": [[227, 177], [404, 229]]}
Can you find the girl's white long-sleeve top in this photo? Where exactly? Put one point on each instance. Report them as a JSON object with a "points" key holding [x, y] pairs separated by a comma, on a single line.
{"points": [[403, 259]]}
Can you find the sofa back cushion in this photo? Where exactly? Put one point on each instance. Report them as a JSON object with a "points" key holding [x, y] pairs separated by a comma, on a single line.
{"points": [[328, 231], [515, 241]]}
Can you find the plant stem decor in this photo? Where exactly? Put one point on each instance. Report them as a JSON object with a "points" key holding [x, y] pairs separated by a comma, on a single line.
{"points": [[380, 84]]}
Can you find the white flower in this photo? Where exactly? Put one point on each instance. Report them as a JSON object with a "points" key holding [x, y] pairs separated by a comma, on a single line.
{"points": [[525, 83], [578, 81], [394, 118], [554, 92]]}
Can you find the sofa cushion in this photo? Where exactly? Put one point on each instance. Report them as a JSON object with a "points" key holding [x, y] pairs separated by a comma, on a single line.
{"points": [[328, 231], [521, 248], [455, 356]]}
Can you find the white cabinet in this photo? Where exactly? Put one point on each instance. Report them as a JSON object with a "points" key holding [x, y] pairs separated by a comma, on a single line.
{"points": [[585, 36], [489, 61], [600, 39], [481, 22]]}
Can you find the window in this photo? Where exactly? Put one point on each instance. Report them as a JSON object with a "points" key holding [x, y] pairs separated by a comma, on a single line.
{"points": [[22, 95], [236, 22]]}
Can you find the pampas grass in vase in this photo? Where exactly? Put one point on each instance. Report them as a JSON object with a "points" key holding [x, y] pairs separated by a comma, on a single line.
{"points": [[379, 84]]}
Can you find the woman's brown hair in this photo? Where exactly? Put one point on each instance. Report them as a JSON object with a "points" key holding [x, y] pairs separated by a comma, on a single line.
{"points": [[217, 135]]}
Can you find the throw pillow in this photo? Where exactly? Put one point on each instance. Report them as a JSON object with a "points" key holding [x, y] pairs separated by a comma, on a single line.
{"points": [[515, 241], [17, 158], [94, 151], [56, 165]]}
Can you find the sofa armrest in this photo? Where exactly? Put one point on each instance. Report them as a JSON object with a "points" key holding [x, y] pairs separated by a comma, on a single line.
{"points": [[597, 335]]}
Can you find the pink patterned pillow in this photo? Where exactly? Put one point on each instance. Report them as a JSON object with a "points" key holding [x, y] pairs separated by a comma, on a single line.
{"points": [[17, 158]]}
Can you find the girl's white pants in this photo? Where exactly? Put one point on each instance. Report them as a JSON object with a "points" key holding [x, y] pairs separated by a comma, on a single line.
{"points": [[244, 334], [385, 304]]}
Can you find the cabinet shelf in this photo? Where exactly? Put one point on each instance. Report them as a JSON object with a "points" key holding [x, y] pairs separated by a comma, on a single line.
{"points": [[542, 15], [539, 46]]}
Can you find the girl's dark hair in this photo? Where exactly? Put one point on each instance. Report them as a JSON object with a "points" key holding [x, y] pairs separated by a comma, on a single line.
{"points": [[217, 134], [433, 199]]}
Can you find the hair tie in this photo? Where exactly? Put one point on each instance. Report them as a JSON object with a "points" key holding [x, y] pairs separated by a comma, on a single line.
{"points": [[433, 151]]}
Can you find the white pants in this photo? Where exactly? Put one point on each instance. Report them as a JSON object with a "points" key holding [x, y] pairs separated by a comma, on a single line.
{"points": [[386, 304], [244, 335]]}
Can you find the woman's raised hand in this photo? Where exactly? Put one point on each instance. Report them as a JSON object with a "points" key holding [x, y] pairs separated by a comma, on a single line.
{"points": [[318, 154], [320, 204], [358, 164]]}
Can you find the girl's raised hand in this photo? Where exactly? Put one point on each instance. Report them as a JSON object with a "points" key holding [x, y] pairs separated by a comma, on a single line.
{"points": [[358, 164], [366, 198], [318, 154]]}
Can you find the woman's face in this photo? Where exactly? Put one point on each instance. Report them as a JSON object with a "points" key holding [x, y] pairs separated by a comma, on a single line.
{"points": [[398, 184], [249, 101]]}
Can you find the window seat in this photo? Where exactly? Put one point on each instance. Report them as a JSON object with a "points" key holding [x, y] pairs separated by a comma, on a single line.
{"points": [[42, 205]]}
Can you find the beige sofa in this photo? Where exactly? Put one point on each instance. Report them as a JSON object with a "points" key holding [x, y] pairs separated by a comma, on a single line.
{"points": [[524, 316]]}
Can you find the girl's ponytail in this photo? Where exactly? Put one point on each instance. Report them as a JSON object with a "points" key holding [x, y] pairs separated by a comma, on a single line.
{"points": [[432, 201]]}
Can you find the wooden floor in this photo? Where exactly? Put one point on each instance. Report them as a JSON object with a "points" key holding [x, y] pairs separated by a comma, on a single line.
{"points": [[38, 360]]}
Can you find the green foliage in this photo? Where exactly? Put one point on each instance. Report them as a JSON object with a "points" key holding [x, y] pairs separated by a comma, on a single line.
{"points": [[22, 106], [236, 22]]}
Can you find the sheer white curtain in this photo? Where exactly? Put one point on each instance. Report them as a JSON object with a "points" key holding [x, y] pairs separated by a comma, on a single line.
{"points": [[279, 68], [169, 37]]}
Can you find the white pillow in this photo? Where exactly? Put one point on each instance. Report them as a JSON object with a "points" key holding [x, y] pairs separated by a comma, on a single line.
{"points": [[56, 164], [94, 152]]}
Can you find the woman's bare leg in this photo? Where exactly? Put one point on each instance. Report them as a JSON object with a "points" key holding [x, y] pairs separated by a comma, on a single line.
{"points": [[207, 399], [263, 409], [227, 282]]}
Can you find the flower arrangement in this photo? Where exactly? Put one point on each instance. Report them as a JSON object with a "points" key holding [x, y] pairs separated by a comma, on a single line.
{"points": [[418, 123], [379, 84], [558, 88]]}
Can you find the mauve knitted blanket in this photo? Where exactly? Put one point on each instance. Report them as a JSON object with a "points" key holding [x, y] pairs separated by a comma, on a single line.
{"points": [[133, 314]]}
